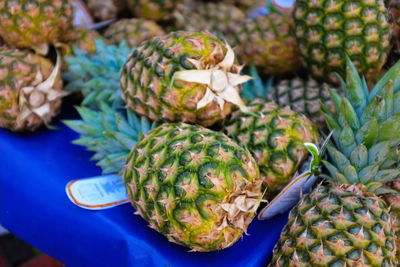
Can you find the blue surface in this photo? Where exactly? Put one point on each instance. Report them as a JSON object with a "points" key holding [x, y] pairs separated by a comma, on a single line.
{"points": [[34, 169]]}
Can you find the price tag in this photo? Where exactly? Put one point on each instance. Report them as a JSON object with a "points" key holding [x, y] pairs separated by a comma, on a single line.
{"points": [[97, 193]]}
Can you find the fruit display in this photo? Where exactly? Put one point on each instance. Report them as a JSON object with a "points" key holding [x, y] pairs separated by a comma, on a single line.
{"points": [[201, 112], [217, 18], [134, 31], [275, 136], [267, 42], [183, 76], [153, 9], [328, 30], [45, 23], [30, 90], [345, 222]]}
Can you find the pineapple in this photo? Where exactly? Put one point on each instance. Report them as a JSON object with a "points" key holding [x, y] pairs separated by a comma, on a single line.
{"points": [[30, 90], [33, 23], [275, 136], [134, 31], [217, 18], [344, 222], [195, 186], [328, 30], [81, 38], [303, 95], [246, 4], [106, 9], [153, 9], [268, 43], [393, 201], [183, 76]]}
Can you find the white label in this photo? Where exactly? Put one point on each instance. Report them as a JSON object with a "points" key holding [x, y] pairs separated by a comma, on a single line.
{"points": [[289, 196], [97, 193]]}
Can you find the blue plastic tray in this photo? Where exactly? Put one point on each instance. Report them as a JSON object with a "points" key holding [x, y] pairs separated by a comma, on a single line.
{"points": [[34, 169]]}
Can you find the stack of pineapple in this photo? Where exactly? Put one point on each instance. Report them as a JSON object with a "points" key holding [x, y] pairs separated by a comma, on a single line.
{"points": [[166, 105]]}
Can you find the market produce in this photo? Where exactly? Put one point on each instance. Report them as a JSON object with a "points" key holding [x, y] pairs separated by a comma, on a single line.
{"points": [[183, 76], [34, 23], [134, 31], [275, 136], [195, 186], [394, 202], [344, 222], [97, 74], [267, 42], [328, 30], [81, 38], [302, 95], [106, 9], [153, 9], [217, 18], [394, 19], [30, 90]]}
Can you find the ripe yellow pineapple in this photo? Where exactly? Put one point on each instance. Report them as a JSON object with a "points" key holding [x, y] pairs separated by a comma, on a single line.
{"points": [[134, 31], [34, 23]]}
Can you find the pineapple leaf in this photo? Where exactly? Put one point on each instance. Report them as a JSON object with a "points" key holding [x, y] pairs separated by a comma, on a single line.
{"points": [[359, 157]]}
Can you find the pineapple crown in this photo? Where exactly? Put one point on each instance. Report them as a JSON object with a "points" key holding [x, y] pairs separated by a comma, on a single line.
{"points": [[109, 133], [366, 131], [256, 88], [97, 74]]}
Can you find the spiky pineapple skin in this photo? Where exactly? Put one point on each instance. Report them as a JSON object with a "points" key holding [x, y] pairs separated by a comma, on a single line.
{"points": [[81, 38], [328, 30], [337, 226], [182, 179], [275, 136], [147, 76], [267, 42], [19, 69], [134, 31], [153, 9], [217, 18], [302, 95], [34, 23], [393, 201]]}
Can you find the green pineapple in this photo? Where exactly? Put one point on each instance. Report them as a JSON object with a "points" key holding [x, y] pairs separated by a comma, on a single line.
{"points": [[275, 136], [268, 43], [134, 31], [33, 23], [183, 76], [30, 90], [302, 95], [344, 222], [97, 74], [153, 9], [217, 18], [393, 201], [327, 30], [193, 185]]}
